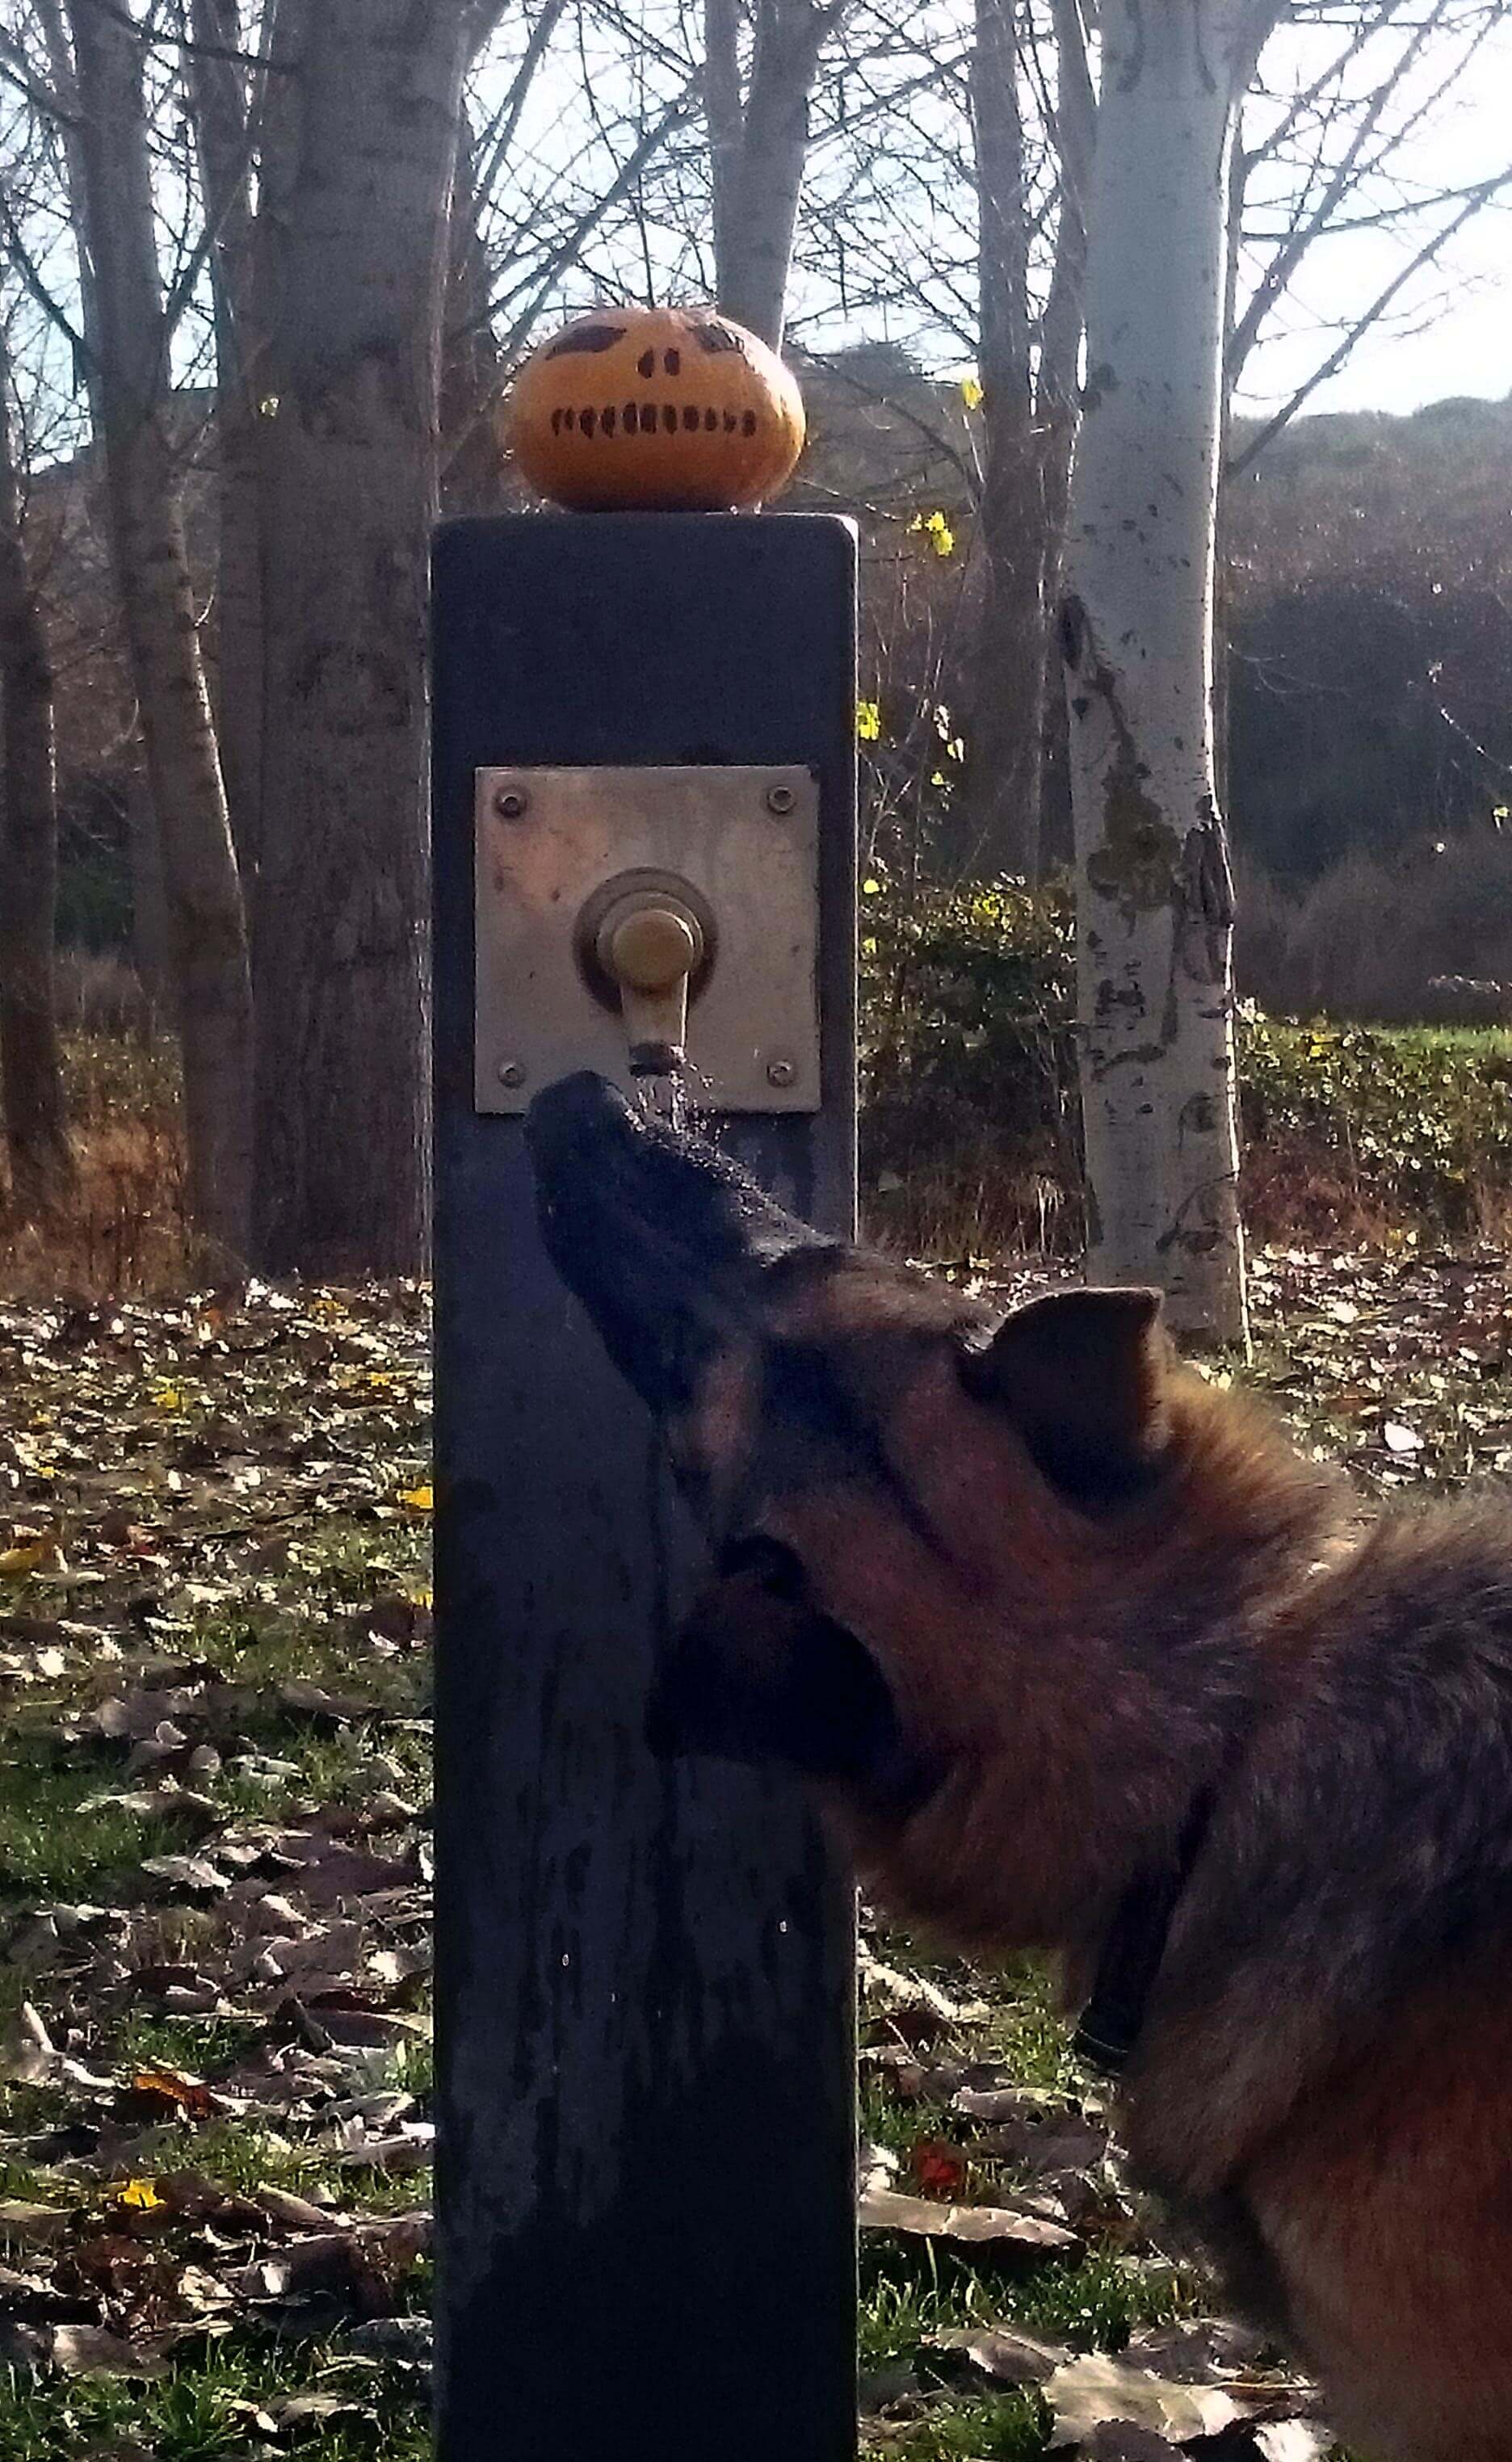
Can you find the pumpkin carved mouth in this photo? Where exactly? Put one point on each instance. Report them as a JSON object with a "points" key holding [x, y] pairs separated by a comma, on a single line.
{"points": [[649, 419], [665, 409]]}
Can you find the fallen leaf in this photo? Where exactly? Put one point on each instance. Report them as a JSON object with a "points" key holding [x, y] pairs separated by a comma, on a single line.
{"points": [[23, 2223], [1006, 2358], [995, 2229], [187, 1872], [29, 1558], [1086, 2392], [395, 2337], [28, 2056], [182, 2094], [939, 2168], [90, 2351]]}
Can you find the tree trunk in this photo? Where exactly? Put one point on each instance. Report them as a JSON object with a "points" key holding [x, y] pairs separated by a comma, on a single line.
{"points": [[725, 119], [1154, 902], [42, 1172], [1057, 396], [1001, 817], [208, 934], [1233, 238], [471, 372], [756, 194], [356, 236], [149, 896], [222, 139]]}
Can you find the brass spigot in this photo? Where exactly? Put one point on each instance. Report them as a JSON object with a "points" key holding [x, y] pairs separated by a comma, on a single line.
{"points": [[648, 945]]}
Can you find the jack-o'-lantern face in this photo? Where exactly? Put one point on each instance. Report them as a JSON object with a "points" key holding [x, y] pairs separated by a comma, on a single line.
{"points": [[656, 409]]}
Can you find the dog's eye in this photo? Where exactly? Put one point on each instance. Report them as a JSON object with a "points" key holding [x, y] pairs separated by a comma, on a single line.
{"points": [[767, 1561]]}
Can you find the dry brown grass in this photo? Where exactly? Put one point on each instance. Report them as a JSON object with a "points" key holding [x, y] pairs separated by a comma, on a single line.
{"points": [[985, 1192], [1422, 939], [125, 1232]]}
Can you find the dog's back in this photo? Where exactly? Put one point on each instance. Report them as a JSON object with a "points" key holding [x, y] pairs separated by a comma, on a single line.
{"points": [[1333, 2032]]}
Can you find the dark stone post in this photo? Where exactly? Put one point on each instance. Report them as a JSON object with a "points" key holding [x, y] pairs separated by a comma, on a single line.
{"points": [[644, 1977]]}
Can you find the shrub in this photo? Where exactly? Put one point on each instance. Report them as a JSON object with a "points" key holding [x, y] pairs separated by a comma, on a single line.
{"points": [[1426, 937], [1347, 1127], [970, 1130], [970, 1122]]}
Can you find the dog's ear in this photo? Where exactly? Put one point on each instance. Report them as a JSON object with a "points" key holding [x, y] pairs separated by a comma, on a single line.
{"points": [[1085, 1378]]}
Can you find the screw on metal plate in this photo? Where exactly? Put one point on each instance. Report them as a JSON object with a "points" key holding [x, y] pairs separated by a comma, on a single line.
{"points": [[780, 1072], [511, 1074], [780, 801], [511, 802]]}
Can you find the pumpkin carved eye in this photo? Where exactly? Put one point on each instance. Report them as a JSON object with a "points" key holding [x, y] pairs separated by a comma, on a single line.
{"points": [[584, 338], [718, 337]]}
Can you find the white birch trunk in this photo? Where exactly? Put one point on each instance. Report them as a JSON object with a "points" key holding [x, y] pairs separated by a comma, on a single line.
{"points": [[1155, 904]]}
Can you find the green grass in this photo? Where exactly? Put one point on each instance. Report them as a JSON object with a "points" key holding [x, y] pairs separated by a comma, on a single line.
{"points": [[907, 2296], [202, 2046], [200, 2413], [1097, 2304], [1009, 2428], [1022, 2031], [1477, 1042], [51, 1847], [1093, 2304]]}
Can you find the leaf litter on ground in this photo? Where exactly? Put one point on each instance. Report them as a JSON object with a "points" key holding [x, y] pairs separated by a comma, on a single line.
{"points": [[215, 2128]]}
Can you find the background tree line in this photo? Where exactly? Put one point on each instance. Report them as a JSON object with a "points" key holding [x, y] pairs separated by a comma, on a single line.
{"points": [[267, 271]]}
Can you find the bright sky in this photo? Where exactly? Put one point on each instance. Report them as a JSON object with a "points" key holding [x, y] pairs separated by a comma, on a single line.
{"points": [[1451, 332]]}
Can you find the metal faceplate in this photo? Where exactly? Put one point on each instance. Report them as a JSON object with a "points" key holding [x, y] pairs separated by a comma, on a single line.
{"points": [[746, 841]]}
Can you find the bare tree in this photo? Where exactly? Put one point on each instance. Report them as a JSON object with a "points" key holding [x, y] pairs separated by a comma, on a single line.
{"points": [[36, 1120], [356, 180], [1003, 777], [758, 147], [1155, 906], [212, 985], [1057, 388], [1331, 156], [226, 145]]}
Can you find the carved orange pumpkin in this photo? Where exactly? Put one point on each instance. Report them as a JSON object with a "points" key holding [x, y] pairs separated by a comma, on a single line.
{"points": [[656, 409]]}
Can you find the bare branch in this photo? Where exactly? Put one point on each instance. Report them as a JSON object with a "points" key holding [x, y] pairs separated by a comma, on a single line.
{"points": [[1477, 196]]}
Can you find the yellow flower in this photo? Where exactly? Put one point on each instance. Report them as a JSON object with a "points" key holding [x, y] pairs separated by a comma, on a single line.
{"points": [[868, 721], [937, 531], [139, 2194], [28, 1558]]}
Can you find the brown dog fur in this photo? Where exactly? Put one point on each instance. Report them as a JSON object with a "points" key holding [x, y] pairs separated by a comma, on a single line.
{"points": [[1020, 1596]]}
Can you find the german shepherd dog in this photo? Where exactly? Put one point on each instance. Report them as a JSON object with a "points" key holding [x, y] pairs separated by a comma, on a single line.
{"points": [[1083, 1658]]}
